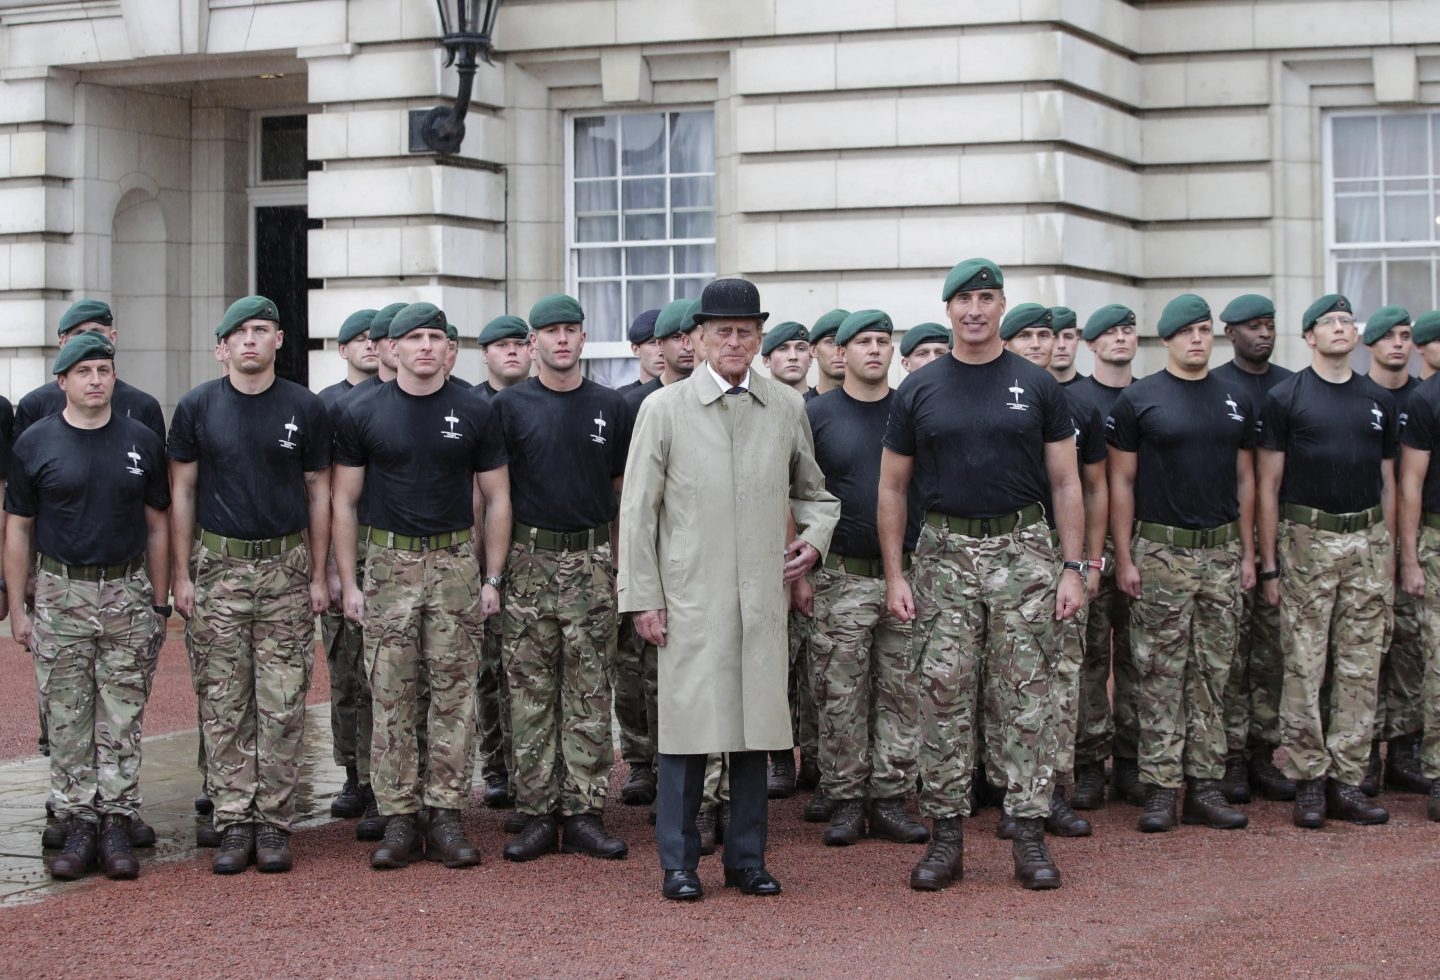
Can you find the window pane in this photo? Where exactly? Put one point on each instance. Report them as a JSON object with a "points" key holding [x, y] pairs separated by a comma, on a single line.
{"points": [[691, 288], [1355, 146], [601, 303], [1404, 145], [597, 229], [692, 192], [595, 146], [1360, 282], [1357, 219], [643, 144], [653, 261], [693, 224], [1408, 285], [1407, 218], [599, 262], [645, 227], [695, 258], [692, 142], [282, 147], [612, 372], [595, 197], [644, 195], [645, 294]]}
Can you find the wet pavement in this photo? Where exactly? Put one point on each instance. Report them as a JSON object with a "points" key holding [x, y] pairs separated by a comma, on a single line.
{"points": [[169, 782]]}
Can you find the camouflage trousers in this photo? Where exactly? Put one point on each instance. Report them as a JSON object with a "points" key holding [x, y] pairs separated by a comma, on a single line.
{"points": [[558, 622], [636, 682], [866, 688], [422, 635], [1252, 695], [1182, 635], [1335, 596], [1099, 731], [351, 721], [492, 712], [95, 648], [986, 607], [717, 781], [804, 707], [1071, 635], [1399, 708], [251, 641], [1429, 608]]}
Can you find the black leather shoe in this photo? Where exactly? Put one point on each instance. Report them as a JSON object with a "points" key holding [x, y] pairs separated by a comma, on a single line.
{"points": [[681, 886], [1309, 804], [1268, 782], [371, 825], [639, 788], [206, 835], [496, 794], [780, 782], [400, 845], [538, 837], [237, 850], [585, 833], [1205, 803], [1349, 803], [819, 808], [752, 881], [1089, 791], [350, 803], [847, 824]]}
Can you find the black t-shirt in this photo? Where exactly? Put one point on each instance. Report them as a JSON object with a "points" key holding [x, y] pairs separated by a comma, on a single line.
{"points": [[7, 435], [1086, 391], [978, 433], [1089, 443], [421, 454], [1257, 386], [1186, 435], [484, 390], [127, 400], [1422, 431], [565, 448], [847, 446], [810, 393], [88, 488], [459, 381], [1402, 397], [334, 396], [253, 451], [631, 386], [1073, 379], [635, 395], [1333, 437]]}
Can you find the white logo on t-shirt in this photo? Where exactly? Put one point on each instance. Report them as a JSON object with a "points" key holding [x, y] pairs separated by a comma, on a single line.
{"points": [[451, 419], [1379, 417], [1234, 408], [1016, 391], [598, 435], [287, 441], [134, 466]]}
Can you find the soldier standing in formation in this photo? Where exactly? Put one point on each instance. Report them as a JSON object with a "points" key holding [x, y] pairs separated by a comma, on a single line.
{"points": [[645, 348], [922, 344], [1064, 324], [786, 354], [505, 344]]}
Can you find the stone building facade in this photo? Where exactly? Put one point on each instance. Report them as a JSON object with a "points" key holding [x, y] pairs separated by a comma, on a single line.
{"points": [[170, 155]]}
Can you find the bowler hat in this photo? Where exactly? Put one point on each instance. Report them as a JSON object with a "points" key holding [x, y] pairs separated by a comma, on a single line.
{"points": [[730, 299]]}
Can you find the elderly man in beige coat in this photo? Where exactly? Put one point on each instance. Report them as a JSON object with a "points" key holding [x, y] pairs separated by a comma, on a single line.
{"points": [[717, 463]]}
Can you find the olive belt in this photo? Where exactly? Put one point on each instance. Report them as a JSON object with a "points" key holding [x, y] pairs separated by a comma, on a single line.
{"points": [[985, 527], [868, 567], [1184, 537], [1432, 519], [423, 542], [362, 533], [242, 548], [547, 540], [1336, 523], [90, 573]]}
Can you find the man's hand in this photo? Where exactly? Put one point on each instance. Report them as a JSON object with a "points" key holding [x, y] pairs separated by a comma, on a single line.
{"points": [[1127, 578], [1412, 580], [21, 629], [337, 592], [802, 597], [651, 625], [1247, 576], [184, 592], [489, 600], [1271, 590], [319, 595], [900, 600], [355, 604], [1070, 595], [800, 557]]}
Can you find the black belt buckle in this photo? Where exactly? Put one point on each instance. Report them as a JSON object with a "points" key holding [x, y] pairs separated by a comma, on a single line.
{"points": [[984, 527], [1205, 537], [424, 540], [254, 549], [1350, 523], [564, 538]]}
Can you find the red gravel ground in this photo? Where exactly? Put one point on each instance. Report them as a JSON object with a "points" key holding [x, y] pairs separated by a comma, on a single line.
{"points": [[1268, 901]]}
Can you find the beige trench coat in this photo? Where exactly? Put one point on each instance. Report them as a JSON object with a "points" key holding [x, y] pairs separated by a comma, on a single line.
{"points": [[708, 484]]}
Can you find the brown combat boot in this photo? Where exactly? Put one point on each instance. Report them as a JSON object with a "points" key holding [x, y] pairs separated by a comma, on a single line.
{"points": [[1309, 803], [1349, 803], [272, 850], [705, 826], [1402, 766], [237, 849], [780, 781], [944, 860], [446, 841], [540, 836], [77, 858], [639, 788], [819, 808], [1127, 785], [117, 860], [400, 845], [1034, 867], [1159, 815], [1370, 782], [1206, 804], [1063, 821], [889, 821], [847, 824], [1089, 788], [350, 802], [585, 833], [1267, 780], [1235, 784]]}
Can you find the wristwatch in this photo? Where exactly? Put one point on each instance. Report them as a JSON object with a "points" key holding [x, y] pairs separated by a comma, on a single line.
{"points": [[1075, 566], [1269, 576], [163, 611], [495, 581]]}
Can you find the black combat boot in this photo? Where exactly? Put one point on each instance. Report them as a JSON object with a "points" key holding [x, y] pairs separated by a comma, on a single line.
{"points": [[1402, 766], [206, 833], [514, 822], [1432, 809], [141, 833], [585, 833], [272, 850], [371, 825], [1159, 815], [117, 860], [539, 837], [237, 849], [780, 782], [400, 845], [1370, 782], [847, 824], [819, 807], [56, 828], [1235, 784], [1309, 804], [1126, 777], [889, 821], [1349, 803], [1005, 827], [350, 803], [705, 826], [809, 775], [1089, 791], [203, 804], [447, 843], [944, 860], [1034, 867], [639, 788], [496, 794], [1206, 804], [77, 856], [1063, 821], [1268, 781]]}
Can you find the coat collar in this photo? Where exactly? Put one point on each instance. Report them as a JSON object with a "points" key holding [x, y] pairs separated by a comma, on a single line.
{"points": [[708, 391]]}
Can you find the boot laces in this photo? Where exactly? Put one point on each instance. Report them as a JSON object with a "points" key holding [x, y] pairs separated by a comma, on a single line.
{"points": [[271, 838]]}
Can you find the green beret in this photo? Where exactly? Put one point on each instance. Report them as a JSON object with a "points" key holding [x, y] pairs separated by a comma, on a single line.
{"points": [[924, 333], [782, 333], [417, 316], [86, 311], [1024, 316], [1426, 328], [1107, 317], [827, 325], [675, 318], [1251, 306], [553, 309], [505, 327], [1382, 321], [1183, 310], [452, 332], [249, 308], [355, 324], [1325, 304], [1062, 318], [86, 347], [970, 275], [863, 321], [380, 326]]}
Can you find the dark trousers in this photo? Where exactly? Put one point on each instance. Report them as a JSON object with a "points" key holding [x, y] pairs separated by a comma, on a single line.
{"points": [[680, 782]]}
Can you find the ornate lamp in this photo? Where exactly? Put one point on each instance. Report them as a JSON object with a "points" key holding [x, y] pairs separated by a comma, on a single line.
{"points": [[465, 27]]}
